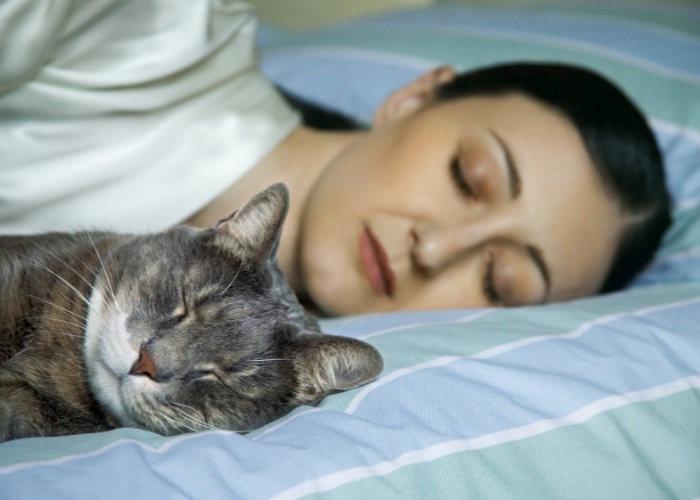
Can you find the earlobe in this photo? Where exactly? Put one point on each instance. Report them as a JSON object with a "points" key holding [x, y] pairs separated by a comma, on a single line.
{"points": [[413, 96]]}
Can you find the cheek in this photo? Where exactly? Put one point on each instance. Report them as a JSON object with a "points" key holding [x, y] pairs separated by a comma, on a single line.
{"points": [[327, 263], [457, 287]]}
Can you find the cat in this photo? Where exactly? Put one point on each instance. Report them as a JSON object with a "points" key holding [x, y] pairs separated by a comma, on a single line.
{"points": [[183, 330]]}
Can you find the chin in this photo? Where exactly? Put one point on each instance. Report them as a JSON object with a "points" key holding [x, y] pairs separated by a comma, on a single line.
{"points": [[331, 298]]}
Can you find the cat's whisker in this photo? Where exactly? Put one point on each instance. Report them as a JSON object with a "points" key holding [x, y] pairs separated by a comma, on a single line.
{"points": [[190, 418], [53, 304], [200, 424], [68, 266], [81, 318], [71, 323], [177, 424], [203, 421], [104, 269], [112, 310], [112, 305], [165, 431], [61, 278]]}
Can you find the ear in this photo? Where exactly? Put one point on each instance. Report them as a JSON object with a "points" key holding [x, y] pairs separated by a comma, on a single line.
{"points": [[413, 96], [327, 364], [254, 229]]}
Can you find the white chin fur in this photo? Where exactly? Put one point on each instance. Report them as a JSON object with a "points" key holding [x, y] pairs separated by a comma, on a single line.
{"points": [[108, 355]]}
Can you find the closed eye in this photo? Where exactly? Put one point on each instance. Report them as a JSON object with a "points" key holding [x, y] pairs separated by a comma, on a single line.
{"points": [[457, 174], [489, 286], [179, 314], [204, 374]]}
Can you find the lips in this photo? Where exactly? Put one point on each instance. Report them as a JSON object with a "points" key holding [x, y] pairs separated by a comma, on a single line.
{"points": [[376, 264]]}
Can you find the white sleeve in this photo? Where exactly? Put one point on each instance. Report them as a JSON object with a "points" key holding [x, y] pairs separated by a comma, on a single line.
{"points": [[140, 113], [28, 32]]}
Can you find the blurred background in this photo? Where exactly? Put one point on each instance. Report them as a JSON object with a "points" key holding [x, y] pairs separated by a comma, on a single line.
{"points": [[306, 14]]}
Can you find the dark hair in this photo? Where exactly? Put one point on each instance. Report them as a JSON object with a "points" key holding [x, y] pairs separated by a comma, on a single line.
{"points": [[616, 136], [318, 117], [615, 133]]}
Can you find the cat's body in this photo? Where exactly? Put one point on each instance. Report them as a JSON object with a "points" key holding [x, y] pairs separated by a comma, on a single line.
{"points": [[178, 331]]}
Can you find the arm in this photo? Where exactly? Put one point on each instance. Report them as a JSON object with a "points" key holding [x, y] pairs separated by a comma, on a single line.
{"points": [[29, 30]]}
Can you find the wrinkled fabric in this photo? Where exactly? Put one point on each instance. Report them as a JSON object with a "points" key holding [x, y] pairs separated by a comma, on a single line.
{"points": [[128, 115]]}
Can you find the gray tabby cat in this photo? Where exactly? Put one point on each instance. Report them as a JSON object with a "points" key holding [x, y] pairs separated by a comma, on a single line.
{"points": [[179, 331]]}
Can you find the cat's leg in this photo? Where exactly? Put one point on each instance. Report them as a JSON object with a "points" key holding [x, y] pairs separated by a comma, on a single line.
{"points": [[20, 412]]}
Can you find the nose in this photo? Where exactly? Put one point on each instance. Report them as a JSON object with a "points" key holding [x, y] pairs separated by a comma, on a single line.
{"points": [[437, 245], [144, 365]]}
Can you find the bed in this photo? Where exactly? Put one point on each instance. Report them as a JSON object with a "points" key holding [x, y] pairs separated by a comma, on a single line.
{"points": [[594, 398]]}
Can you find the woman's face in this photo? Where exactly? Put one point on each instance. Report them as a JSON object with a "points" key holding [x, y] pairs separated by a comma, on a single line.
{"points": [[470, 203]]}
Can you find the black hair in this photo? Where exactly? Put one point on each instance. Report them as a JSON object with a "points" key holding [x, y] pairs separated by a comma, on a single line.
{"points": [[615, 133], [319, 117]]}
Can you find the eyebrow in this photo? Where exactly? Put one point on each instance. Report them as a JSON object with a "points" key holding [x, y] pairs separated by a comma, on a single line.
{"points": [[536, 256], [513, 173]]}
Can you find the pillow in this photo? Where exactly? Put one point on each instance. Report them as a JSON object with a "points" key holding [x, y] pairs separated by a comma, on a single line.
{"points": [[651, 51]]}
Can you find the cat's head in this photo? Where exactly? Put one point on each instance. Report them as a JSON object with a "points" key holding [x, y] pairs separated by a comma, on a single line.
{"points": [[192, 329]]}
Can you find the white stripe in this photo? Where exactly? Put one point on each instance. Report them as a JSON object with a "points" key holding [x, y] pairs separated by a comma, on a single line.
{"points": [[680, 256], [385, 58], [510, 346], [287, 420], [466, 319], [676, 129], [582, 329], [687, 204], [171, 441], [581, 415], [433, 363]]}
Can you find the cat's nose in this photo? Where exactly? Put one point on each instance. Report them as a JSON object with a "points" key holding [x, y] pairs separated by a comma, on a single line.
{"points": [[144, 365]]}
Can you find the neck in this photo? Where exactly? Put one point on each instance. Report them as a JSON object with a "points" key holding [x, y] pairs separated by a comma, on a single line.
{"points": [[299, 161]]}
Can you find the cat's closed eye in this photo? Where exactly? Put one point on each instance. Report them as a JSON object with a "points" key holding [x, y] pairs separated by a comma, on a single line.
{"points": [[180, 313], [204, 375]]}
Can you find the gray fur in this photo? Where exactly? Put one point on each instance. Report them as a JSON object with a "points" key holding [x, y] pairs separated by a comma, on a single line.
{"points": [[173, 332]]}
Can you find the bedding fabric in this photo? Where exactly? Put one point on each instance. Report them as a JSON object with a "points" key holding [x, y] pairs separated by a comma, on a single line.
{"points": [[595, 398]]}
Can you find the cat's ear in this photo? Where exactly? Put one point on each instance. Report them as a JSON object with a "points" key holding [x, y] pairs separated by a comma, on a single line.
{"points": [[255, 228], [327, 364]]}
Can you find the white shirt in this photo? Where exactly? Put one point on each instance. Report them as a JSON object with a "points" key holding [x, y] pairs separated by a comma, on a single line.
{"points": [[127, 115]]}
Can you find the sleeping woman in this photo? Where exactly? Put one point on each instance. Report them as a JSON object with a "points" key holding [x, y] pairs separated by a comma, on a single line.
{"points": [[510, 185]]}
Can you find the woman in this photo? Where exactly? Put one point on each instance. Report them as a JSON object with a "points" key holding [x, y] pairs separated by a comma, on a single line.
{"points": [[513, 185]]}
